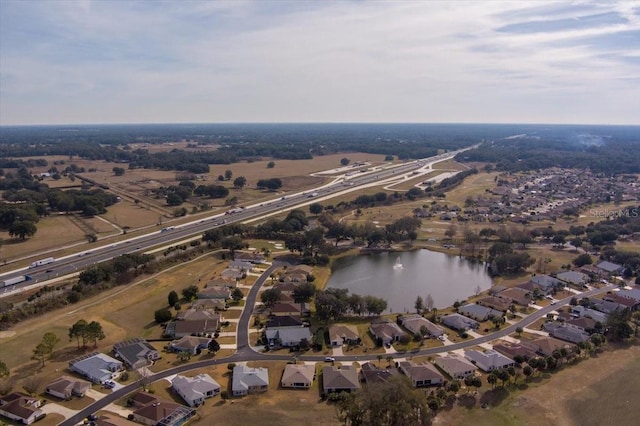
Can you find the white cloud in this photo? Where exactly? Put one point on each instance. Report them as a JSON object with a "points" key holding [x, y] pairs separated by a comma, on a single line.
{"points": [[308, 61]]}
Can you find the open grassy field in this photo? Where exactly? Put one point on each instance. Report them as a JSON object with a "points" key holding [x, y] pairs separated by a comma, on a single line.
{"points": [[596, 391]]}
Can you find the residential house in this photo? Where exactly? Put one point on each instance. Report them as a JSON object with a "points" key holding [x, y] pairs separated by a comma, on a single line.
{"points": [[422, 374], [215, 292], [240, 265], [415, 323], [545, 346], [565, 332], [459, 322], [455, 366], [340, 379], [96, 367], [385, 331], [248, 380], [488, 360], [511, 350], [495, 303], [287, 337], [633, 294], [545, 283], [194, 390], [284, 321], [253, 257], [233, 274], [583, 323], [296, 274], [152, 411], [221, 282], [300, 376], [194, 323], [369, 373], [610, 268], [198, 314], [596, 316], [286, 309], [341, 334], [20, 408], [479, 312], [575, 278], [624, 302], [191, 344], [108, 419], [516, 295], [207, 305], [136, 353], [66, 387]]}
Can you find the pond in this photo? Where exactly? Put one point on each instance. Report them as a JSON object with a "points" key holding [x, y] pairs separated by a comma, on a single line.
{"points": [[401, 277]]}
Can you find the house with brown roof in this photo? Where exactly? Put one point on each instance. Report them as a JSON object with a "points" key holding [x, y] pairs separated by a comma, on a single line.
{"points": [[189, 344], [208, 305], [66, 387], [523, 349], [340, 379], [547, 345], [341, 334], [369, 373], [152, 411], [516, 295], [108, 419], [495, 303], [286, 309], [385, 332], [20, 408], [192, 328], [221, 282], [422, 374], [299, 376], [416, 324]]}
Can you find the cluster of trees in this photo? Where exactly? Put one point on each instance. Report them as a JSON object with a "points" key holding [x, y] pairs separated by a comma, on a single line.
{"points": [[333, 303], [272, 184], [86, 332], [615, 155], [504, 260], [44, 349]]}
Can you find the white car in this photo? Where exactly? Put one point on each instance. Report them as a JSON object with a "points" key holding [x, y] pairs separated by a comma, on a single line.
{"points": [[329, 359]]}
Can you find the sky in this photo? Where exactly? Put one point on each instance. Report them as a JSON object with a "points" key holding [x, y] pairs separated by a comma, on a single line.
{"points": [[82, 62]]}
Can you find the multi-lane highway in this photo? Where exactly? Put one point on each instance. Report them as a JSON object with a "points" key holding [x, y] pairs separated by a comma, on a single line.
{"points": [[343, 184]]}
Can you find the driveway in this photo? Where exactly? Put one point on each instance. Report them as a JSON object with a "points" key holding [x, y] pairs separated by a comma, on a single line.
{"points": [[53, 408], [337, 351]]}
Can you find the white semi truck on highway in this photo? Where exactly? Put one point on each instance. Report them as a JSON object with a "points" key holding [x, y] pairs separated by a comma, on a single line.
{"points": [[14, 280], [42, 262]]}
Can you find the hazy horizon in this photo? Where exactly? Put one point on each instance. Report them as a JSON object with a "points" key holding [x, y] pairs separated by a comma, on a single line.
{"points": [[238, 62]]}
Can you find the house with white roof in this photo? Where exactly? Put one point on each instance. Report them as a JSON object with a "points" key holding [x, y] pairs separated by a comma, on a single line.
{"points": [[248, 380], [194, 390], [489, 360]]}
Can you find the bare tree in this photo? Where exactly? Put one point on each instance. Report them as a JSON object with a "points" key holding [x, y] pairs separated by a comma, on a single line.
{"points": [[31, 384], [428, 302]]}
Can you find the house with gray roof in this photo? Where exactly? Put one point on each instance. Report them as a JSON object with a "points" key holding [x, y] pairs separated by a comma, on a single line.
{"points": [[299, 376], [459, 322], [385, 331], [340, 379], [422, 374], [415, 323], [488, 360], [478, 312], [136, 353], [545, 283], [610, 267], [370, 373], [287, 337], [574, 278], [96, 367], [633, 294], [215, 292], [565, 332], [455, 366], [590, 313], [248, 380], [194, 390]]}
